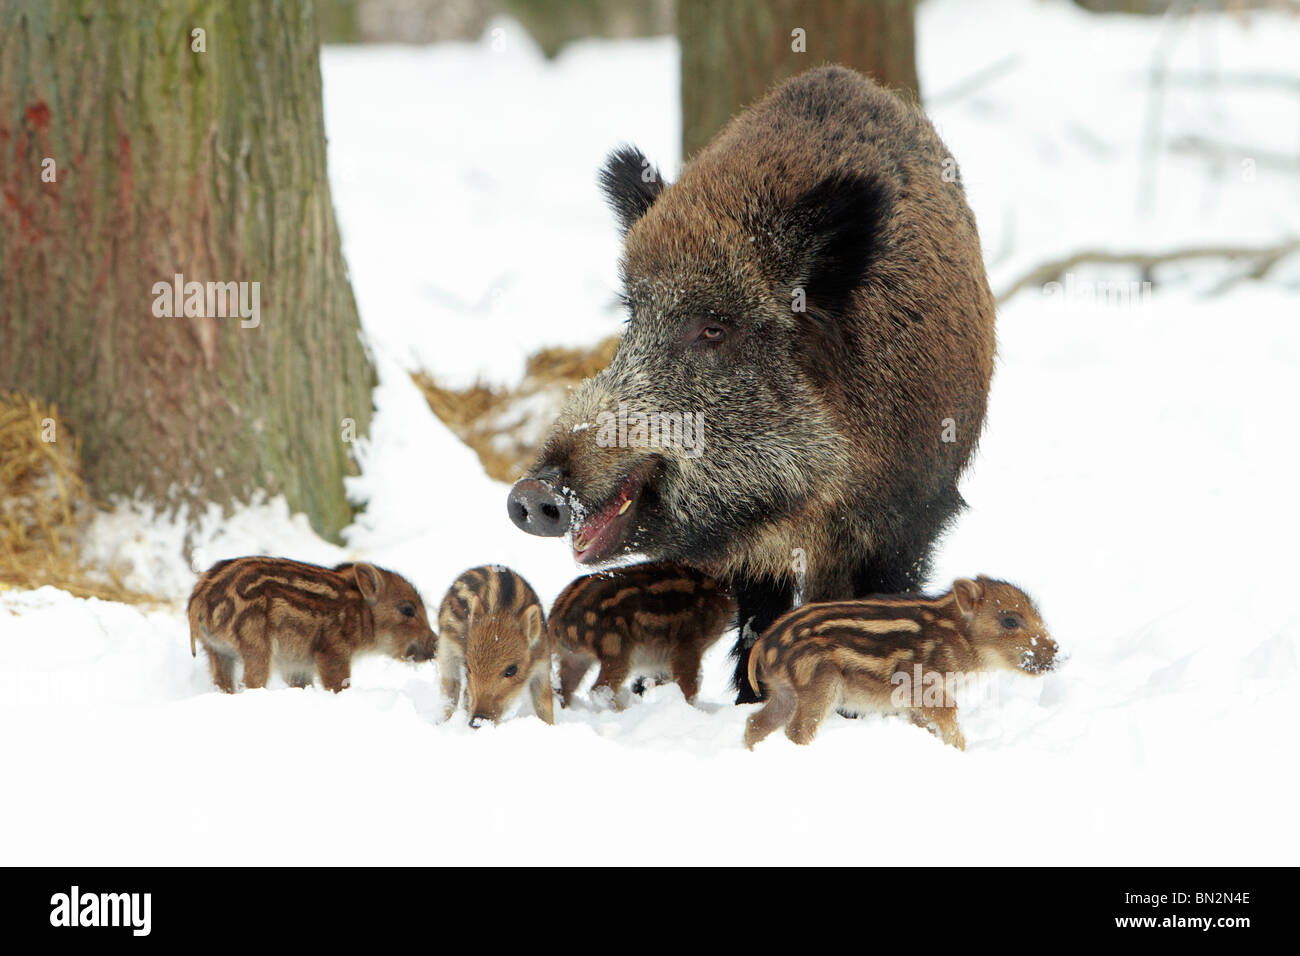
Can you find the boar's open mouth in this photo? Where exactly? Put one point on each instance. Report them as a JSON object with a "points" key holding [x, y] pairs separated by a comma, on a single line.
{"points": [[603, 529]]}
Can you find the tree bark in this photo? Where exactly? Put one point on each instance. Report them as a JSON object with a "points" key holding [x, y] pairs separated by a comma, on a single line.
{"points": [[734, 52], [172, 161]]}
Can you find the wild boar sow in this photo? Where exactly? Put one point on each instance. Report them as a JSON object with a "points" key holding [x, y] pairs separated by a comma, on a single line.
{"points": [[804, 371]]}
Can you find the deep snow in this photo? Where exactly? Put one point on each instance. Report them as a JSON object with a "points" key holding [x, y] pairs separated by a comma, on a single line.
{"points": [[1135, 477]]}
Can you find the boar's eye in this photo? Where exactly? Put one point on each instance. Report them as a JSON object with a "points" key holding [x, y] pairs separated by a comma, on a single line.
{"points": [[1010, 622], [407, 609], [511, 671], [711, 334]]}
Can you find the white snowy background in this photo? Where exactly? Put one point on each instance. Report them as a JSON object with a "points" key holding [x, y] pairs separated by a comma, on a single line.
{"points": [[1137, 476]]}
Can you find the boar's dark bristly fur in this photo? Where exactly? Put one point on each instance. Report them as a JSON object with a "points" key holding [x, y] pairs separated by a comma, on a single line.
{"points": [[838, 429]]}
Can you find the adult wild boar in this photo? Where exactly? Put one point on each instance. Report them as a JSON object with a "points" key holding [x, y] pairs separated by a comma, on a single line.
{"points": [[812, 285]]}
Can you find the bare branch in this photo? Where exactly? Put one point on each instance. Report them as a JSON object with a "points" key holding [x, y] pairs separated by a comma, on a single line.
{"points": [[1144, 261]]}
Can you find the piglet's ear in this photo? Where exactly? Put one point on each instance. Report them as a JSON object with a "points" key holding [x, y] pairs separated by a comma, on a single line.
{"points": [[631, 184], [968, 594], [840, 225], [368, 581], [533, 623], [475, 609]]}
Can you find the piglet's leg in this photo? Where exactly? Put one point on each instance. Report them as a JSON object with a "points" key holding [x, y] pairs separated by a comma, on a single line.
{"points": [[613, 674], [257, 666], [942, 722], [254, 644], [449, 663], [335, 669], [297, 673], [777, 710], [815, 701], [223, 670], [573, 668], [686, 669], [540, 689]]}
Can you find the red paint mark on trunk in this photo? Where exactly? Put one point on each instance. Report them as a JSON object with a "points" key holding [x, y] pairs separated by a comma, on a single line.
{"points": [[38, 115]]}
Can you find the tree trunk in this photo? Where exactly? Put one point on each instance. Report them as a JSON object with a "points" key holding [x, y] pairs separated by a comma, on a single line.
{"points": [[168, 161], [734, 52]]}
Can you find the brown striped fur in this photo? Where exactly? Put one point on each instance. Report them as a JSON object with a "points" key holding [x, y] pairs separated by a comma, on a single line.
{"points": [[492, 630], [846, 653], [649, 617], [303, 619]]}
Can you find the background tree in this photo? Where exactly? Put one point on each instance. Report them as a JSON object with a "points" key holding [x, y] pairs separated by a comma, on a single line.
{"points": [[554, 23], [185, 136], [734, 52]]}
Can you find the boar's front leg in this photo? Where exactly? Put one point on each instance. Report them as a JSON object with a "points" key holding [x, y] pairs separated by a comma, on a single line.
{"points": [[760, 602]]}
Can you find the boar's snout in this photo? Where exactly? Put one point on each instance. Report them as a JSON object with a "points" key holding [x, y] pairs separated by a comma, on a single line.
{"points": [[538, 507]]}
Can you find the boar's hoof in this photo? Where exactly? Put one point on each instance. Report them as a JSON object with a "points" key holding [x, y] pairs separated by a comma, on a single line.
{"points": [[537, 507]]}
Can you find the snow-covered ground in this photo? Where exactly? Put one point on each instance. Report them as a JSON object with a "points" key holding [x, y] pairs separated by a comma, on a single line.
{"points": [[1135, 476]]}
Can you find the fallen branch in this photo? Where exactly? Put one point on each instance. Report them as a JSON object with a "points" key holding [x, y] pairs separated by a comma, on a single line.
{"points": [[1223, 152], [1145, 261], [1216, 80]]}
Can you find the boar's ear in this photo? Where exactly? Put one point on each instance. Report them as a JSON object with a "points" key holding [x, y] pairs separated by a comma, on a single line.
{"points": [[631, 184], [968, 594], [842, 222], [368, 581], [533, 623]]}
